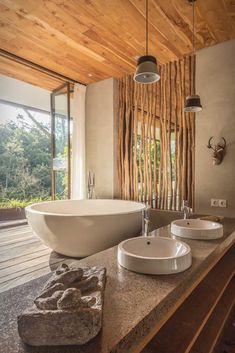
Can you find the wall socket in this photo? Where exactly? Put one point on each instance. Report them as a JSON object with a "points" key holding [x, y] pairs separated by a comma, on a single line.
{"points": [[218, 203]]}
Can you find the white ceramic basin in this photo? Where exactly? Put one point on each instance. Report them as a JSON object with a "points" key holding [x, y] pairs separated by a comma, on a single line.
{"points": [[196, 229], [154, 255]]}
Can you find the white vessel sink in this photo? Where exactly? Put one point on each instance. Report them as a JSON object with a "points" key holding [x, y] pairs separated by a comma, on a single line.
{"points": [[196, 229], [154, 255]]}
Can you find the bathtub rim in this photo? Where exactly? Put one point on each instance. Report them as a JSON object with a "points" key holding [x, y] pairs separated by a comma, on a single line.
{"points": [[54, 214]]}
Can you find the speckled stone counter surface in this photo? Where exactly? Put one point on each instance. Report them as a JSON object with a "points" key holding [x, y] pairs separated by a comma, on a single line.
{"points": [[133, 304]]}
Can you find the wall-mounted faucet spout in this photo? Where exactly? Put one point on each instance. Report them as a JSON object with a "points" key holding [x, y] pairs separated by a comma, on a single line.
{"points": [[145, 221], [91, 185], [186, 209]]}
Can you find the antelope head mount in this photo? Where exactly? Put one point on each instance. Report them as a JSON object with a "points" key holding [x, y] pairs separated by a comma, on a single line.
{"points": [[218, 150]]}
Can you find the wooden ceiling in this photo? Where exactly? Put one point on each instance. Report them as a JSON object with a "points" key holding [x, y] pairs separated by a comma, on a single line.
{"points": [[27, 74], [90, 40]]}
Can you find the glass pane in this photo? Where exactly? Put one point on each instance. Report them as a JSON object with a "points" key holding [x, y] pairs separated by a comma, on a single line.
{"points": [[25, 155], [60, 160]]}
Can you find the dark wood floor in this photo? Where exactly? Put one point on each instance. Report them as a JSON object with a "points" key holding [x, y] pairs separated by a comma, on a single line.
{"points": [[23, 257]]}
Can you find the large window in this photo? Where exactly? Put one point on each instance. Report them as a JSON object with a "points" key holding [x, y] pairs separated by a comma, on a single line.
{"points": [[25, 155]]}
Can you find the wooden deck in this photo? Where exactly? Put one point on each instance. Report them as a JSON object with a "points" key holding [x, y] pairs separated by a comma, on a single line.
{"points": [[23, 257]]}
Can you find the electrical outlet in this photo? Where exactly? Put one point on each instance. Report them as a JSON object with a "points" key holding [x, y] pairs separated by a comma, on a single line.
{"points": [[222, 203], [218, 203], [214, 203]]}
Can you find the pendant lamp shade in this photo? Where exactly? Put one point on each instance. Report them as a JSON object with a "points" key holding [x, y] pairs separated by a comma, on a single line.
{"points": [[146, 70], [193, 104]]}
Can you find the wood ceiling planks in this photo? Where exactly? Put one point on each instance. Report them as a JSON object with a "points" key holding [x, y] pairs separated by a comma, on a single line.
{"points": [[92, 40], [24, 73]]}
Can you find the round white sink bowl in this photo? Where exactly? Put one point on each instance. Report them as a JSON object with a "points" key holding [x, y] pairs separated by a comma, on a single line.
{"points": [[196, 229], [154, 255]]}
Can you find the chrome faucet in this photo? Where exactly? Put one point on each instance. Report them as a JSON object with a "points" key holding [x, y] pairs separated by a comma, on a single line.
{"points": [[145, 221], [91, 186], [186, 209]]}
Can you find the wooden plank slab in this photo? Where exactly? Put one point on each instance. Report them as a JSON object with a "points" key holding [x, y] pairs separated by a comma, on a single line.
{"points": [[9, 224], [19, 244], [29, 265], [32, 275], [21, 250], [31, 269], [8, 233], [24, 258], [13, 241]]}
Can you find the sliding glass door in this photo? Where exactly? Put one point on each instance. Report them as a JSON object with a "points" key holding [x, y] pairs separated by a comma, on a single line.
{"points": [[61, 143]]}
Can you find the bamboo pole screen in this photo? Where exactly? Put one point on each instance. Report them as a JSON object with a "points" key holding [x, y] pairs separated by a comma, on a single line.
{"points": [[156, 138]]}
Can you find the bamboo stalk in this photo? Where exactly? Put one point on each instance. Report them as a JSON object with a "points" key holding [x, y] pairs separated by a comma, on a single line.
{"points": [[135, 128], [174, 101], [179, 139], [165, 149], [141, 146], [169, 138]]}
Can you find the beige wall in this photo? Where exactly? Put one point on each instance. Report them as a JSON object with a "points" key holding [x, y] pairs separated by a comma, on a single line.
{"points": [[215, 82], [101, 110]]}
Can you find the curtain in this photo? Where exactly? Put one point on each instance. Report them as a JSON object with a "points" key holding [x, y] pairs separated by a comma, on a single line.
{"points": [[156, 138], [78, 142]]}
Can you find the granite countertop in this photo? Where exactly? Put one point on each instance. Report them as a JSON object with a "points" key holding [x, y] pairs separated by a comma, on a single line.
{"points": [[133, 303]]}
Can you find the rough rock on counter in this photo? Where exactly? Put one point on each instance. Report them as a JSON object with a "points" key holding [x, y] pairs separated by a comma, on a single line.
{"points": [[69, 309]]}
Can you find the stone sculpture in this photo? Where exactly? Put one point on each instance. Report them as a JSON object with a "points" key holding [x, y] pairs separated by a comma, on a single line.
{"points": [[68, 311]]}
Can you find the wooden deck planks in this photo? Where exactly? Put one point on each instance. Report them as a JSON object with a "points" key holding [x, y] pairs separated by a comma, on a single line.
{"points": [[21, 243], [27, 267], [23, 257], [13, 230], [21, 250], [5, 242]]}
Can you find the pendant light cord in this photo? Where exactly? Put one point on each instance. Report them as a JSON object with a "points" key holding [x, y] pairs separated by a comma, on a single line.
{"points": [[147, 29], [193, 41]]}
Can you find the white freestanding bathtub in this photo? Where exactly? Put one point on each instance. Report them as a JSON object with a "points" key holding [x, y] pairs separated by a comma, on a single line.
{"points": [[80, 228]]}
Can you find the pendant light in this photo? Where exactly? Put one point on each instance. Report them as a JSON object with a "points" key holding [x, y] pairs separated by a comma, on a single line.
{"points": [[146, 70], [193, 102]]}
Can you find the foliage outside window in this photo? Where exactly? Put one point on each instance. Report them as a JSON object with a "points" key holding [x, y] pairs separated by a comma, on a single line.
{"points": [[155, 152], [24, 157]]}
